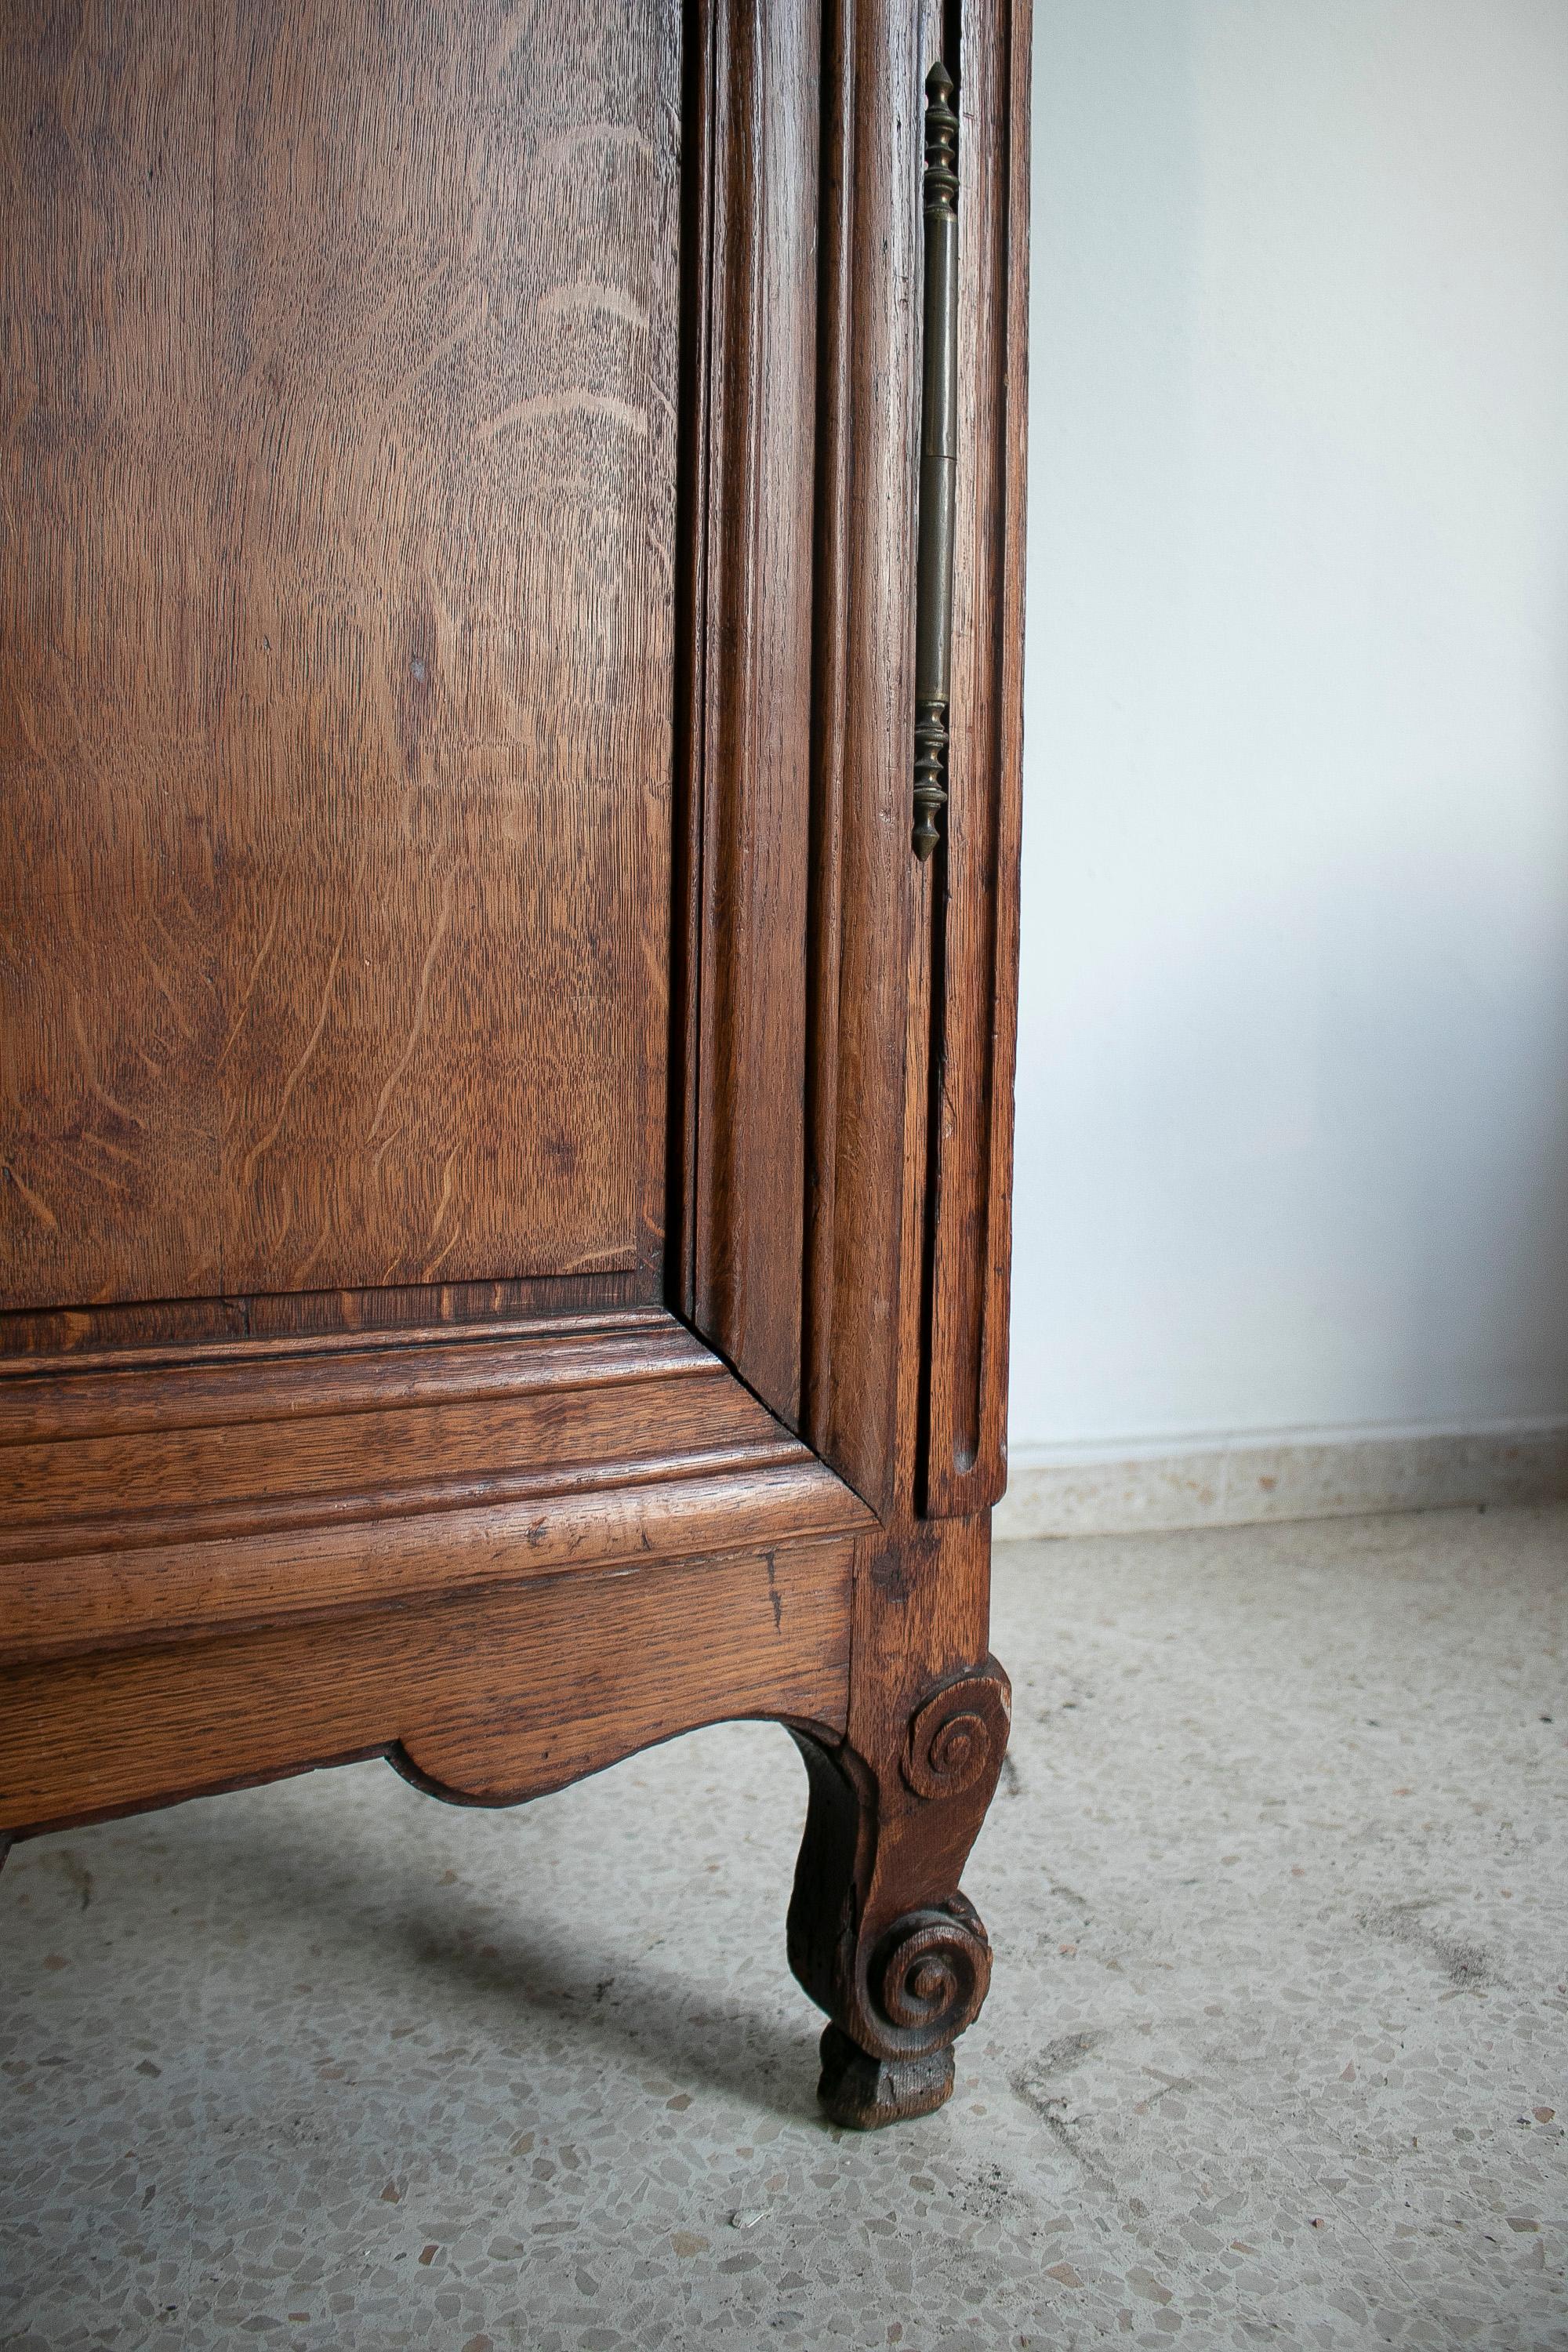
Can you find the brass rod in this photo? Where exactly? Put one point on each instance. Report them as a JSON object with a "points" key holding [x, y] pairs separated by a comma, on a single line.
{"points": [[939, 462]]}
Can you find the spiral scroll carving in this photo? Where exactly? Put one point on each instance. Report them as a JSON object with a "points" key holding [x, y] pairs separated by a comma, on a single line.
{"points": [[929, 1978], [958, 1736]]}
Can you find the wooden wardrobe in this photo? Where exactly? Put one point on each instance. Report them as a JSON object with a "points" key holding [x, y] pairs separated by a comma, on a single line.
{"points": [[510, 630]]}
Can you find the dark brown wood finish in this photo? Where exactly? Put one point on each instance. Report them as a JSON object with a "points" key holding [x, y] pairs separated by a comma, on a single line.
{"points": [[971, 1181], [339, 644], [137, 1505], [108, 1009], [398, 759], [613, 1663], [320, 1314], [750, 702], [879, 1932], [868, 887]]}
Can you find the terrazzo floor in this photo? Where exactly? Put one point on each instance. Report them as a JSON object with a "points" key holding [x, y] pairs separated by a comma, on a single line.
{"points": [[1277, 2053]]}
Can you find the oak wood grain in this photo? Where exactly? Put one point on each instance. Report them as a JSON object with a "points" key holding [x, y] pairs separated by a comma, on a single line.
{"points": [[136, 1598], [971, 1165], [340, 651], [358, 1491], [362, 1448], [900, 1293], [880, 1932], [492, 1697], [110, 1006], [748, 759], [865, 965], [190, 1323], [138, 1500], [257, 1381]]}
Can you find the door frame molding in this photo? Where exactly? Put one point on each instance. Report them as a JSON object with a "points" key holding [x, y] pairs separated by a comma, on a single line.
{"points": [[845, 1015]]}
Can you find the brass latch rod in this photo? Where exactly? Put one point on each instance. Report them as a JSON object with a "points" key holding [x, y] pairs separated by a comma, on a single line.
{"points": [[939, 463]]}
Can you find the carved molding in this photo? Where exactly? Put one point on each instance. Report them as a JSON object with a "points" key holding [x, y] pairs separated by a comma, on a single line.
{"points": [[958, 1734], [969, 1174], [140, 1502], [881, 1934], [928, 1978]]}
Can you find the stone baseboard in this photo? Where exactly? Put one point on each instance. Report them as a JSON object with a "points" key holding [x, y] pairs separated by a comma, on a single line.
{"points": [[1219, 1481]]}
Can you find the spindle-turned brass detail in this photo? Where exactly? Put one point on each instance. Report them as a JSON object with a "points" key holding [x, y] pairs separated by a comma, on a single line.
{"points": [[939, 464]]}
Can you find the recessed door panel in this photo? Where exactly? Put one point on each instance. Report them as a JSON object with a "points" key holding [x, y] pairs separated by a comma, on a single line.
{"points": [[336, 697]]}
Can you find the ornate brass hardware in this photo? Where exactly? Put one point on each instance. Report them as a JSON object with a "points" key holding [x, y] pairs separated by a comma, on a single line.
{"points": [[939, 462]]}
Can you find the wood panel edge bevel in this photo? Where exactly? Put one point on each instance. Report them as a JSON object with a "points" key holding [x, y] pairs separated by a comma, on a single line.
{"points": [[911, 971], [83, 1395], [345, 1318], [147, 1597], [741, 926], [867, 888], [138, 1502]]}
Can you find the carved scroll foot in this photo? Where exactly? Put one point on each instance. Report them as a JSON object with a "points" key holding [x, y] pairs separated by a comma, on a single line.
{"points": [[879, 1933], [863, 2093]]}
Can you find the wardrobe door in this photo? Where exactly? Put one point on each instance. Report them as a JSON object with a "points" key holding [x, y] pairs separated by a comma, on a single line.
{"points": [[507, 852], [357, 486]]}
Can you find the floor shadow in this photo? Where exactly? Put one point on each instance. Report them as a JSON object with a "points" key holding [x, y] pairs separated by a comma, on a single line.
{"points": [[283, 1865]]}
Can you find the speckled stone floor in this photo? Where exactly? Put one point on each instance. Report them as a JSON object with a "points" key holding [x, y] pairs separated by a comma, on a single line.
{"points": [[1276, 2054]]}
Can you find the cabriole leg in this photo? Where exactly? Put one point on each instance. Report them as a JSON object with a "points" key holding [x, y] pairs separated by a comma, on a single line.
{"points": [[879, 1933]]}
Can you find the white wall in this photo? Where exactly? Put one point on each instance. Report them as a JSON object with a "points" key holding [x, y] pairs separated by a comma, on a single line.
{"points": [[1293, 1071]]}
